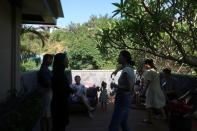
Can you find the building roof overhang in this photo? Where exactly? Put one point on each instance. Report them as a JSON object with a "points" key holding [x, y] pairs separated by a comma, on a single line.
{"points": [[41, 11]]}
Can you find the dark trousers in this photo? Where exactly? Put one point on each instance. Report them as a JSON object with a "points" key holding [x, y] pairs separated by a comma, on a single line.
{"points": [[121, 112]]}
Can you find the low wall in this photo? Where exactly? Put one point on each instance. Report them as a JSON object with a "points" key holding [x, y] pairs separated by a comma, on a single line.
{"points": [[95, 77], [88, 78]]}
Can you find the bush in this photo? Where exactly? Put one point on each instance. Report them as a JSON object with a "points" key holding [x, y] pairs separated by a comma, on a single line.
{"points": [[28, 65], [23, 115]]}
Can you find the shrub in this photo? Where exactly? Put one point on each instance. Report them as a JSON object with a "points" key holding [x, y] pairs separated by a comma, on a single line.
{"points": [[28, 65]]}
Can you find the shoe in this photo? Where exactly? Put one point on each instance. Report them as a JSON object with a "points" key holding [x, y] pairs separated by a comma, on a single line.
{"points": [[146, 121]]}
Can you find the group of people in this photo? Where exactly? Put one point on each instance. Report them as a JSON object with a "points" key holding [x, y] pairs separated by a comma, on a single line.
{"points": [[158, 91], [57, 90]]}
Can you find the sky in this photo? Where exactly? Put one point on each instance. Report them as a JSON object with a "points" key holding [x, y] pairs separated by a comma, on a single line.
{"points": [[79, 11]]}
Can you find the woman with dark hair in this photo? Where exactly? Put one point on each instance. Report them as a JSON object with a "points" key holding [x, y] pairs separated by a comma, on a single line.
{"points": [[155, 98], [123, 94], [44, 76], [61, 92]]}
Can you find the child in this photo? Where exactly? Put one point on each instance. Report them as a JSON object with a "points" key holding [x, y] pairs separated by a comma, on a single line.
{"points": [[103, 96]]}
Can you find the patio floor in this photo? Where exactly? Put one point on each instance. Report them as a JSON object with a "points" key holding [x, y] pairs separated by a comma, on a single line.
{"points": [[100, 122]]}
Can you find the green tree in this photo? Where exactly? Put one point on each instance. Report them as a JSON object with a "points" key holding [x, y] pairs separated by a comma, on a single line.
{"points": [[32, 42], [163, 28], [80, 40]]}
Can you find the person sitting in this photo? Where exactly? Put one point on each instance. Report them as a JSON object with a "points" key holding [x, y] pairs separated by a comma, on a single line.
{"points": [[80, 93]]}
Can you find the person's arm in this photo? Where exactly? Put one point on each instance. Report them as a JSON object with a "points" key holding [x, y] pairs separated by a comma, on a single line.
{"points": [[126, 82], [116, 71], [73, 88], [85, 90]]}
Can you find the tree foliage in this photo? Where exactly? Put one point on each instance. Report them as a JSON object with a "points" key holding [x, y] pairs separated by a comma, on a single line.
{"points": [[79, 40], [82, 45], [163, 28]]}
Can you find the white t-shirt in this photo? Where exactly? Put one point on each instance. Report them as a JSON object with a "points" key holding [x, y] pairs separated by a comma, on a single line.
{"points": [[131, 76]]}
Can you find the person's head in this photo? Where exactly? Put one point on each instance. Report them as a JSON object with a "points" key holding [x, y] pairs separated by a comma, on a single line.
{"points": [[60, 62], [167, 72], [104, 84], [125, 58], [77, 79], [148, 64], [47, 59]]}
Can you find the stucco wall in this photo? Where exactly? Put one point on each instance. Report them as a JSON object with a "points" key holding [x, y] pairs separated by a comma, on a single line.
{"points": [[94, 76], [88, 77], [6, 49]]}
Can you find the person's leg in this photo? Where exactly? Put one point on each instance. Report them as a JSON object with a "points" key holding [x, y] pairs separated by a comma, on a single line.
{"points": [[117, 114], [49, 124], [126, 106], [101, 105], [58, 117], [138, 99], [150, 114], [116, 119], [163, 113], [105, 106], [43, 124], [85, 102], [124, 122]]}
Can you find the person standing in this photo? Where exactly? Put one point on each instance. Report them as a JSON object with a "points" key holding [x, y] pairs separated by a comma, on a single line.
{"points": [[103, 98], [169, 85], [44, 81], [155, 98], [61, 92], [123, 94]]}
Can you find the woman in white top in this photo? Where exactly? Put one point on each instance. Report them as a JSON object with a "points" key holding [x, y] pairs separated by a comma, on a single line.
{"points": [[155, 98], [123, 94]]}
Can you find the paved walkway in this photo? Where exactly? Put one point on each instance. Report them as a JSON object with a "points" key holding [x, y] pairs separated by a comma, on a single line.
{"points": [[100, 122]]}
